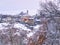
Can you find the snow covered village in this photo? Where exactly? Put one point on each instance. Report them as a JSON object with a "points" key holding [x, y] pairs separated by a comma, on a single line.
{"points": [[42, 28]]}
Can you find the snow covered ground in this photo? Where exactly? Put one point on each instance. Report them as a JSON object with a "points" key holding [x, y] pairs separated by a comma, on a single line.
{"points": [[21, 34], [21, 26], [2, 25]]}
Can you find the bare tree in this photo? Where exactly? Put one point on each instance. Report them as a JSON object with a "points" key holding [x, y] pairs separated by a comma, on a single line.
{"points": [[49, 9]]}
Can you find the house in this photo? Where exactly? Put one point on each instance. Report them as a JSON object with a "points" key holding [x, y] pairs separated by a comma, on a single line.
{"points": [[27, 19]]}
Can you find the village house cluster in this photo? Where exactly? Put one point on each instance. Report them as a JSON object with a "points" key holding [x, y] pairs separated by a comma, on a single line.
{"points": [[23, 29]]}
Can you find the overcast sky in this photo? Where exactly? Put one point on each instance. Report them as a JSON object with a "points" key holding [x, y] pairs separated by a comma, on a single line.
{"points": [[15, 6]]}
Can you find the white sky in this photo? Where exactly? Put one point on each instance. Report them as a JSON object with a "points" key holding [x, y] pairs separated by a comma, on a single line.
{"points": [[15, 6]]}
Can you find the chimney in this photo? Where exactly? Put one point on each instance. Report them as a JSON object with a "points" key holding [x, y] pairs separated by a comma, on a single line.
{"points": [[27, 11]]}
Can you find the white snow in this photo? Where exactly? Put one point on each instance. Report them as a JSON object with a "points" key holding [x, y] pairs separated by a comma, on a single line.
{"points": [[5, 24], [2, 25], [21, 26], [17, 33], [37, 27], [30, 34]]}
